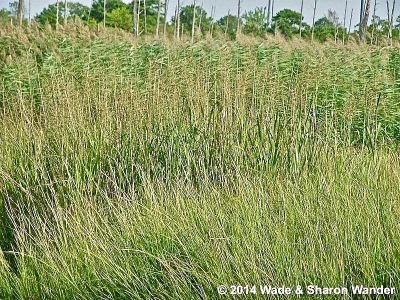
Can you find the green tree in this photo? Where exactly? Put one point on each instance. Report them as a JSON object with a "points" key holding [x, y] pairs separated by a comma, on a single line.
{"points": [[150, 13], [379, 27], [186, 16], [5, 16], [75, 9], [97, 10], [228, 24], [329, 27], [255, 22], [324, 29], [288, 21], [120, 17], [49, 15]]}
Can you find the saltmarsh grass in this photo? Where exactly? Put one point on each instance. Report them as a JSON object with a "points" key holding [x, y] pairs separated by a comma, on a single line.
{"points": [[131, 170]]}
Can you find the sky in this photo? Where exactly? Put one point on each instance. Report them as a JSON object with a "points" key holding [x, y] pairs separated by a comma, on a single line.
{"points": [[223, 6]]}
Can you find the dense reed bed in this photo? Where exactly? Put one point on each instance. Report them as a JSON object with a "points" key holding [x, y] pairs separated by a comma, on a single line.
{"points": [[138, 170]]}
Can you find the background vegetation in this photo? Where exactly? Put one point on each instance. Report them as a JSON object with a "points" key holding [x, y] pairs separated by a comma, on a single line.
{"points": [[259, 22]]}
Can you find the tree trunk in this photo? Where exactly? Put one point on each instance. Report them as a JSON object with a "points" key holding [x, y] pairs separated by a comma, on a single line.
{"points": [[238, 19], [58, 12], [392, 22], [135, 17], [104, 12], [65, 12], [373, 24], [201, 19], [272, 13], [20, 12], [138, 18], [301, 18], [351, 21], [29, 13], [227, 23], [212, 20], [194, 20], [178, 16], [344, 22], [182, 27], [362, 3], [336, 32], [388, 18], [175, 22], [165, 17], [272, 9], [313, 20], [145, 16], [158, 18], [269, 13], [364, 24]]}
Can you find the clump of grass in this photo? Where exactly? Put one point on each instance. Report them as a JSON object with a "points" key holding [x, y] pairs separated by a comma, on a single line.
{"points": [[137, 170]]}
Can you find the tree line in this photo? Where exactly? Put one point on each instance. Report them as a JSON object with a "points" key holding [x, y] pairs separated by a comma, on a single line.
{"points": [[149, 17]]}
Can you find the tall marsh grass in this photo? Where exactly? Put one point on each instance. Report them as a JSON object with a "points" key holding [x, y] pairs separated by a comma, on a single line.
{"points": [[138, 170]]}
